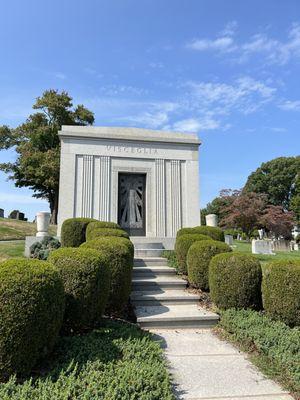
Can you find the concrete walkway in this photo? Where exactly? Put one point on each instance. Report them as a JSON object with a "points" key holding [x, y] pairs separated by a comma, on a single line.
{"points": [[206, 368]]}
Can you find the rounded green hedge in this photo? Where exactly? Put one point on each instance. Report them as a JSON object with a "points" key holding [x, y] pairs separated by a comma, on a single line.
{"points": [[73, 231], [86, 278], [101, 225], [182, 245], [119, 252], [31, 313], [281, 291], [235, 281], [213, 232], [99, 232], [198, 259]]}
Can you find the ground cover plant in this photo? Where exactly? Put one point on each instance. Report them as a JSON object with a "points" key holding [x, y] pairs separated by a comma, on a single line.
{"points": [[116, 361], [273, 346]]}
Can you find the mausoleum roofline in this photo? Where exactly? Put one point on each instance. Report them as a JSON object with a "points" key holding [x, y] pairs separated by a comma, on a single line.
{"points": [[128, 133]]}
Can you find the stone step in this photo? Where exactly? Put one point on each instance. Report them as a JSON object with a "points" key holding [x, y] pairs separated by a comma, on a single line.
{"points": [[153, 271], [150, 262], [163, 297], [148, 252], [175, 316], [150, 245], [158, 282]]}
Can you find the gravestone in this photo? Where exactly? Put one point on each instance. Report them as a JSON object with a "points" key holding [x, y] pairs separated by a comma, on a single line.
{"points": [[145, 180], [16, 214], [262, 247], [281, 245], [1, 213], [229, 240], [211, 220]]}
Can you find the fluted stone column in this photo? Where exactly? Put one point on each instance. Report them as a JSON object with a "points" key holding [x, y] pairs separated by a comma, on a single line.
{"points": [[87, 186], [160, 186], [104, 189], [175, 196]]}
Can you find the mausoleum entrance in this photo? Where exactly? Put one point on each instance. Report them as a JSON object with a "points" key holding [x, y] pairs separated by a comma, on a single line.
{"points": [[132, 203]]}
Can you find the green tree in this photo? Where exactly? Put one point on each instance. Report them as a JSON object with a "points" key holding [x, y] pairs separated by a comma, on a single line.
{"points": [[277, 179], [37, 145], [219, 204], [295, 201]]}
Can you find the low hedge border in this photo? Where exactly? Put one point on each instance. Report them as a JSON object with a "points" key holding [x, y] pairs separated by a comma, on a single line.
{"points": [[32, 303], [281, 291], [235, 281], [198, 259], [274, 346], [214, 233]]}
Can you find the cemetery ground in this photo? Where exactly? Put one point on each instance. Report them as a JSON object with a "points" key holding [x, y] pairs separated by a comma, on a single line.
{"points": [[12, 229]]}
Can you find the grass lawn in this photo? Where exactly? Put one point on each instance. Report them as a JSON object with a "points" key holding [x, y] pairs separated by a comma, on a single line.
{"points": [[11, 229], [245, 247], [118, 361], [11, 249]]}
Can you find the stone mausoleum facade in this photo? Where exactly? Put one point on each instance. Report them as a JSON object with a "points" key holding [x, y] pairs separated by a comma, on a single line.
{"points": [[147, 181]]}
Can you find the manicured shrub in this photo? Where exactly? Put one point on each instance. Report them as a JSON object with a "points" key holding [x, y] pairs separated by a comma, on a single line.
{"points": [[100, 232], [100, 225], [212, 232], [73, 231], [41, 250], [31, 313], [235, 281], [119, 253], [86, 278], [198, 259], [281, 291], [182, 245]]}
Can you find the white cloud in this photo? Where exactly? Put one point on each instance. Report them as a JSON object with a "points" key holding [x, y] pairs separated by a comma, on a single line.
{"points": [[195, 125], [289, 105], [245, 95], [60, 75], [222, 44], [273, 50]]}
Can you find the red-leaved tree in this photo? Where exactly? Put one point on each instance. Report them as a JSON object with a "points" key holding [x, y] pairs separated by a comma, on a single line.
{"points": [[244, 212], [278, 221]]}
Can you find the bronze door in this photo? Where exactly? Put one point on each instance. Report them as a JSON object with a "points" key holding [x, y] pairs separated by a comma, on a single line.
{"points": [[131, 203]]}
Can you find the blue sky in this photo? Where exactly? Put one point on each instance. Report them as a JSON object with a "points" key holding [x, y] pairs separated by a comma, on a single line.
{"points": [[228, 70]]}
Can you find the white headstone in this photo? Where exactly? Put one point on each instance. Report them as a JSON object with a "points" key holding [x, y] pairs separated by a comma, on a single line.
{"points": [[229, 240], [211, 220], [42, 223], [262, 247]]}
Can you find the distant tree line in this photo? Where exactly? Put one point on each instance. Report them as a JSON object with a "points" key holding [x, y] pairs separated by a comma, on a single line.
{"points": [[270, 199]]}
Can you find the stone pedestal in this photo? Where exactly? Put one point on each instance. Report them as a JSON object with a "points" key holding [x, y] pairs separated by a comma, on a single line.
{"points": [[42, 223], [262, 247], [211, 220]]}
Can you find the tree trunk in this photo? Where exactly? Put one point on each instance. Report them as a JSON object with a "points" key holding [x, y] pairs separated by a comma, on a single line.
{"points": [[54, 208]]}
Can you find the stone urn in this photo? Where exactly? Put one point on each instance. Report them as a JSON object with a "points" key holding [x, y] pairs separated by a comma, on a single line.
{"points": [[211, 220], [42, 223]]}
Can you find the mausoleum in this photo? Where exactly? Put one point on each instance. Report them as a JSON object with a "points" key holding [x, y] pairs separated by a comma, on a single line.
{"points": [[146, 180]]}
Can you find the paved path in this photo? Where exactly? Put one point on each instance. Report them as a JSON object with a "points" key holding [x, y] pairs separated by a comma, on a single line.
{"points": [[206, 368]]}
